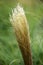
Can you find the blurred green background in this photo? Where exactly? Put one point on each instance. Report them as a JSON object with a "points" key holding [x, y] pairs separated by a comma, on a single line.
{"points": [[9, 50]]}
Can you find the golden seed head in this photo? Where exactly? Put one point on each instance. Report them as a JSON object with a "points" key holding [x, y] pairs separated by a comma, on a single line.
{"points": [[19, 22]]}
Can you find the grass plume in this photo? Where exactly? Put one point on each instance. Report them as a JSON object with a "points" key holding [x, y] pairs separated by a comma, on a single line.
{"points": [[19, 22]]}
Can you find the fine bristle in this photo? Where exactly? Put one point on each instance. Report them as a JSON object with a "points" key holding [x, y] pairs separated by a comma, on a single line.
{"points": [[16, 12]]}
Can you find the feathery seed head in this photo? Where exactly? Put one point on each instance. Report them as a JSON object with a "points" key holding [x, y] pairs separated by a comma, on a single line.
{"points": [[19, 22]]}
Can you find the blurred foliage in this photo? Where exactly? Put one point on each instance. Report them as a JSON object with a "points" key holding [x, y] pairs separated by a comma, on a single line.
{"points": [[9, 51]]}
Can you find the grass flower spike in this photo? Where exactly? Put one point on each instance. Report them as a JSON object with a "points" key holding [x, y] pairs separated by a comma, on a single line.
{"points": [[19, 22]]}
